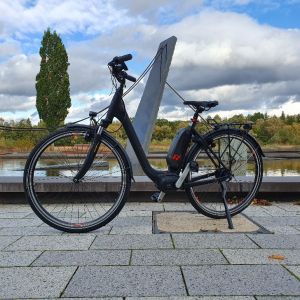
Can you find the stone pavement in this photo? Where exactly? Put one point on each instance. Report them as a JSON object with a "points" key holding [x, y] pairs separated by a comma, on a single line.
{"points": [[124, 260]]}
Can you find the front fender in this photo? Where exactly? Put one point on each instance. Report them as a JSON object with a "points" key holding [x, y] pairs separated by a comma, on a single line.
{"points": [[71, 125], [88, 127]]}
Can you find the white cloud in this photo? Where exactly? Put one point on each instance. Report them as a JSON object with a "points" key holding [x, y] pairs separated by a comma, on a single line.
{"points": [[17, 75], [9, 47], [219, 55], [68, 16], [14, 104]]}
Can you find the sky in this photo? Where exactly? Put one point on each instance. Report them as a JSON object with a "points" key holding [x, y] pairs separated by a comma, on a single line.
{"points": [[243, 53]]}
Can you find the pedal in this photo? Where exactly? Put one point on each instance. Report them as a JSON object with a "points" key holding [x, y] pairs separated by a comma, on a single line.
{"points": [[194, 167], [157, 196]]}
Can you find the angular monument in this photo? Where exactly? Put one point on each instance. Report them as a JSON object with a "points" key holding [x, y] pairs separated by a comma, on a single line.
{"points": [[146, 114]]}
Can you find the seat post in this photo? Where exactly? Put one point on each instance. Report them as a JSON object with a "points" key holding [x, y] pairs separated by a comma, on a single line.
{"points": [[194, 120], [197, 112]]}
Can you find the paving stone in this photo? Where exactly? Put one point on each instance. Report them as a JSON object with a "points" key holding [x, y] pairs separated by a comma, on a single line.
{"points": [[143, 206], [277, 298], [83, 258], [7, 240], [106, 298], [178, 207], [276, 241], [18, 258], [126, 281], [212, 241], [288, 206], [282, 229], [278, 221], [240, 280], [132, 225], [20, 222], [177, 257], [131, 229], [257, 211], [31, 216], [194, 298], [280, 212], [30, 230], [295, 270], [135, 213], [187, 222], [100, 231], [62, 242], [131, 241], [13, 215], [262, 256], [15, 208], [25, 282], [131, 221]]}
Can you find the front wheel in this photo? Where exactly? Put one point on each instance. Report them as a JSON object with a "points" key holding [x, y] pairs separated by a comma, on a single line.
{"points": [[241, 155], [67, 204]]}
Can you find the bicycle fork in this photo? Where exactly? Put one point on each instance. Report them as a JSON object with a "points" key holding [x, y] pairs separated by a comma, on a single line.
{"points": [[90, 156]]}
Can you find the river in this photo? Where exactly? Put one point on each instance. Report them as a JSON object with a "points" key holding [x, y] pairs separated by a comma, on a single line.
{"points": [[272, 167]]}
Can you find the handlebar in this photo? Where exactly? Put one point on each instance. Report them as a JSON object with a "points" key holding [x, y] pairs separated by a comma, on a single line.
{"points": [[118, 65], [123, 58], [119, 60], [129, 77]]}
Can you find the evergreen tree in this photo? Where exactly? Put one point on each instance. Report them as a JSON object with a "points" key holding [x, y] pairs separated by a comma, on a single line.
{"points": [[52, 82], [282, 117]]}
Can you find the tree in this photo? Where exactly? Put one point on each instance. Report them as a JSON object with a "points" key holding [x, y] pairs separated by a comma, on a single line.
{"points": [[282, 117], [256, 116], [52, 82]]}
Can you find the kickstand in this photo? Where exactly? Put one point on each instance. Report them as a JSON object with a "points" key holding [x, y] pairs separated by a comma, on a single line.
{"points": [[228, 216]]}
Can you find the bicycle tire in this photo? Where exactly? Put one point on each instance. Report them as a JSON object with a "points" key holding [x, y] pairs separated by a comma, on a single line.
{"points": [[76, 207], [207, 200]]}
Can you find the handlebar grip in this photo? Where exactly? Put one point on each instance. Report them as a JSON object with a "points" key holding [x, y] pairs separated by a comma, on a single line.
{"points": [[130, 78], [123, 58]]}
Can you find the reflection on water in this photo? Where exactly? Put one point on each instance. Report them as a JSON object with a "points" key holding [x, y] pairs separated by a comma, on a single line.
{"points": [[282, 167], [12, 167], [274, 167], [277, 167]]}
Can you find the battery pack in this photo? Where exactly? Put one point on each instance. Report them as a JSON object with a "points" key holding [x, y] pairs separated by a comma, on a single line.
{"points": [[178, 149]]}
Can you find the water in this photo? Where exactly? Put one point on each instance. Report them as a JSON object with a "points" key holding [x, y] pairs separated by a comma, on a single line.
{"points": [[276, 167]]}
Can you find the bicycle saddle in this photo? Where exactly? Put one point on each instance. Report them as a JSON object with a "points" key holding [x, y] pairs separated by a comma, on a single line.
{"points": [[201, 104]]}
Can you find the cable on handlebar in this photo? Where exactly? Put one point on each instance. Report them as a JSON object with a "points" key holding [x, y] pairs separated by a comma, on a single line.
{"points": [[148, 68], [174, 90]]}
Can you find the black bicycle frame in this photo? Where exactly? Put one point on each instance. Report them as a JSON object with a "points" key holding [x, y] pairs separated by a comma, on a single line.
{"points": [[117, 109]]}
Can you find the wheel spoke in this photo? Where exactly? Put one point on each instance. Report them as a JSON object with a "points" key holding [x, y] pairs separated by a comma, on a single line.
{"points": [[71, 206], [239, 154]]}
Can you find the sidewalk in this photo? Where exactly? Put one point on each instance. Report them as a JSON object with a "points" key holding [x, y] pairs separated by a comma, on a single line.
{"points": [[124, 260]]}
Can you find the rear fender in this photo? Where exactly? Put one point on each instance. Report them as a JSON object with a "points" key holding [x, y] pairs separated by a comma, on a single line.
{"points": [[257, 146]]}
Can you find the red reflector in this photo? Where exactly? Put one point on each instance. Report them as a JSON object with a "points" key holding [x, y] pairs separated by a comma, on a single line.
{"points": [[78, 225], [176, 157]]}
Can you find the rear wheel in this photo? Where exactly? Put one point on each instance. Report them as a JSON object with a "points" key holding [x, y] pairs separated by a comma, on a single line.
{"points": [[241, 156], [76, 206]]}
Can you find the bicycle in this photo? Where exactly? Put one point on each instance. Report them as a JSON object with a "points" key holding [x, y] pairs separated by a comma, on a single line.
{"points": [[78, 178]]}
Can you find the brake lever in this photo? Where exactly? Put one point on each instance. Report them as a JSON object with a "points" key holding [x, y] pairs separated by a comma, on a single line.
{"points": [[124, 66]]}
